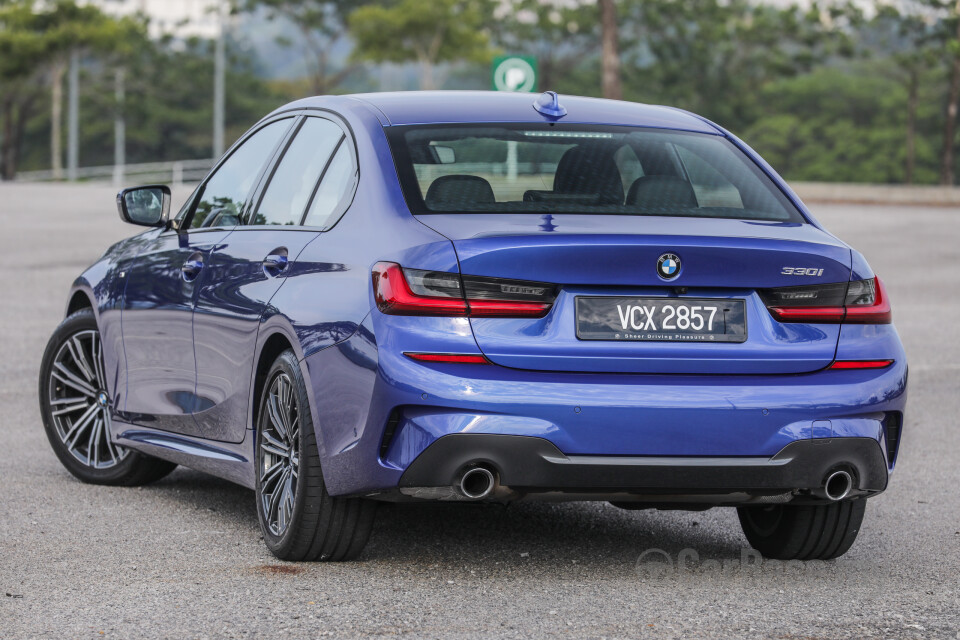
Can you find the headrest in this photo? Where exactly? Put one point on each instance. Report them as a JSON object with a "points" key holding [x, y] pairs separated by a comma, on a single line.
{"points": [[589, 169], [662, 192], [451, 191]]}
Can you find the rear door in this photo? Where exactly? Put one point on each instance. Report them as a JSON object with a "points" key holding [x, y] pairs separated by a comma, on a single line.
{"points": [[163, 285], [248, 268]]}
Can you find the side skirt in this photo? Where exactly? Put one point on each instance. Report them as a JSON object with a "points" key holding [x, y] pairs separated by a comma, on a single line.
{"points": [[233, 462]]}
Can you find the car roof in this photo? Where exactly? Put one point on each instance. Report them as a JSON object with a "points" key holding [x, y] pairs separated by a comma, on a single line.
{"points": [[435, 107]]}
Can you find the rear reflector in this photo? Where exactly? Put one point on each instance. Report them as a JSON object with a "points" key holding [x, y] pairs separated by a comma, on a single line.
{"points": [[414, 292], [861, 364], [857, 302], [458, 358]]}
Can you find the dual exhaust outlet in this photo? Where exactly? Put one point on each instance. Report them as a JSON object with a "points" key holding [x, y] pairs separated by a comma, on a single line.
{"points": [[477, 483]]}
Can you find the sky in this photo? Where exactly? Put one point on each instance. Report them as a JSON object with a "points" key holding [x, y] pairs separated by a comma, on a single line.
{"points": [[199, 17]]}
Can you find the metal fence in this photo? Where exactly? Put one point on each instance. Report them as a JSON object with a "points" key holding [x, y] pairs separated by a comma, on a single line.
{"points": [[188, 172], [173, 173]]}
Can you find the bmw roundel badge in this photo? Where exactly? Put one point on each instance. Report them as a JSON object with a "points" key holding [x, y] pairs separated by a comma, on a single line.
{"points": [[668, 266]]}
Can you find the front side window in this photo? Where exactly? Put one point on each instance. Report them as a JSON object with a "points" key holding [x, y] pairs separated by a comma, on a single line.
{"points": [[533, 168], [298, 173], [225, 193], [187, 206]]}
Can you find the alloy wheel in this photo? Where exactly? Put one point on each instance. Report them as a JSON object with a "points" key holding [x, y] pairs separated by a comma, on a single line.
{"points": [[79, 402], [279, 454]]}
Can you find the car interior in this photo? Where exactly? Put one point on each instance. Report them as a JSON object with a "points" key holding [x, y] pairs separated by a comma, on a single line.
{"points": [[653, 178]]}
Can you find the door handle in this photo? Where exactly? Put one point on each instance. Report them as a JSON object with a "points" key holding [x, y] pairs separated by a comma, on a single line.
{"points": [[191, 268], [275, 263]]}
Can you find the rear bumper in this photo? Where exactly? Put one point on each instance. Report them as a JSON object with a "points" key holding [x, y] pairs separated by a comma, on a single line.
{"points": [[526, 466], [378, 412]]}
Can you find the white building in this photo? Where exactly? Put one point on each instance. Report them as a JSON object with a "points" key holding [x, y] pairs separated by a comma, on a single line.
{"points": [[181, 18]]}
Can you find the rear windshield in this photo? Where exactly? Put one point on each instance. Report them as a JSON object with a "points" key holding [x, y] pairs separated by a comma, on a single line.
{"points": [[559, 168]]}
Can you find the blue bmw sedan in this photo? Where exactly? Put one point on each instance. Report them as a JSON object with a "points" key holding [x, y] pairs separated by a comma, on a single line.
{"points": [[484, 297]]}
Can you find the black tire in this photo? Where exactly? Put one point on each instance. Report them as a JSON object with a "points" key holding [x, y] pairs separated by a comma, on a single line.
{"points": [[125, 467], [807, 532], [318, 526]]}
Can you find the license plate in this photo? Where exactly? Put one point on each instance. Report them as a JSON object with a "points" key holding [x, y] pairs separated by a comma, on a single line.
{"points": [[661, 319]]}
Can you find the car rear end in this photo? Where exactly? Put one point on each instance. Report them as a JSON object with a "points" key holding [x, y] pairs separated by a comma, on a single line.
{"points": [[642, 316]]}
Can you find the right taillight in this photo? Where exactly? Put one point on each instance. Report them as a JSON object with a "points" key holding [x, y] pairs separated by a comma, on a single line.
{"points": [[856, 302], [413, 292], [867, 303]]}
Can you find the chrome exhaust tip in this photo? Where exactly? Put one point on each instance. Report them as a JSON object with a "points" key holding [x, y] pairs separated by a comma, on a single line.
{"points": [[476, 483], [838, 485]]}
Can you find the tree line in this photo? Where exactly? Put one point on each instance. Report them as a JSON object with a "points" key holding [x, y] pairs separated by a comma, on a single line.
{"points": [[833, 91]]}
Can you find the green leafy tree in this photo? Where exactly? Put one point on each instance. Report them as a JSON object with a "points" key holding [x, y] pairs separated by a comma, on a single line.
{"points": [[947, 38], [846, 124], [427, 32], [36, 41], [905, 39], [167, 118], [321, 25], [610, 56], [713, 56], [23, 44], [932, 27], [80, 30], [836, 125], [560, 37]]}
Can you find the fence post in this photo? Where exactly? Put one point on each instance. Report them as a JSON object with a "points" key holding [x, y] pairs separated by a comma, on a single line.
{"points": [[119, 131], [177, 174], [73, 117]]}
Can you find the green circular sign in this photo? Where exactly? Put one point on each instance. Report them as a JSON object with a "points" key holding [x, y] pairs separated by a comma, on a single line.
{"points": [[514, 74]]}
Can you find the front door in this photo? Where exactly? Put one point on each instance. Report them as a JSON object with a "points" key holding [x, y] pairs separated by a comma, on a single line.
{"points": [[157, 322], [164, 283]]}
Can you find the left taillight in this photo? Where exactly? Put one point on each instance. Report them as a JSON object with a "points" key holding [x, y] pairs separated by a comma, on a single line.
{"points": [[414, 292], [856, 302]]}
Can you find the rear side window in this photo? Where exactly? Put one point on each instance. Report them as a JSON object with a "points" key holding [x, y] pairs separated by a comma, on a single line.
{"points": [[628, 166], [297, 175], [225, 192], [336, 184], [710, 186], [533, 168]]}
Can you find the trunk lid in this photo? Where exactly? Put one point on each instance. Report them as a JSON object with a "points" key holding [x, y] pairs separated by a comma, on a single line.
{"points": [[610, 255]]}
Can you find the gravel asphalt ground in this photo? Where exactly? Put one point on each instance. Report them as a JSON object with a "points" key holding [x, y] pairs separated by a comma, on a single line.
{"points": [[183, 557]]}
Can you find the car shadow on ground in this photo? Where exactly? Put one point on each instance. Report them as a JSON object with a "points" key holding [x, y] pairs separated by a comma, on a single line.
{"points": [[579, 534], [583, 533]]}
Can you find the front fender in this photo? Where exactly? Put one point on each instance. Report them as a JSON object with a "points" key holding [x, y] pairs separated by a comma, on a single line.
{"points": [[101, 287], [98, 289]]}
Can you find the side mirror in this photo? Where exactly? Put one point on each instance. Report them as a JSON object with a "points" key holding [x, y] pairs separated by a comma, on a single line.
{"points": [[145, 206]]}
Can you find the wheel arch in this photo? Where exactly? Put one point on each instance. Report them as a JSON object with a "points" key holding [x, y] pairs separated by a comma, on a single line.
{"points": [[81, 297], [276, 336], [275, 344]]}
